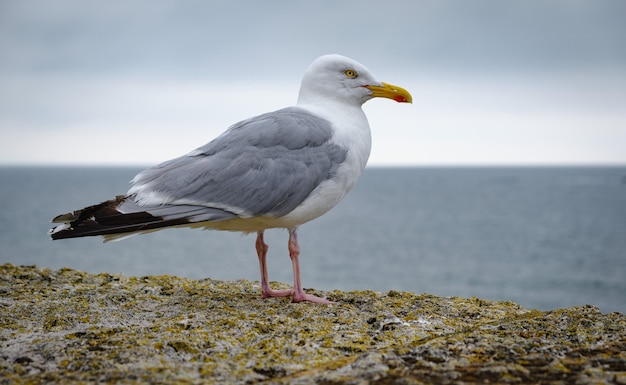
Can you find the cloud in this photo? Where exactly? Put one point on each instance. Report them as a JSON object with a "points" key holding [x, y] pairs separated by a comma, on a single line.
{"points": [[571, 120], [143, 72], [204, 39], [461, 121], [125, 121]]}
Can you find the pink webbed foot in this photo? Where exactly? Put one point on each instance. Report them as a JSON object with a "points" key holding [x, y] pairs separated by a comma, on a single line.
{"points": [[295, 297], [267, 293], [310, 298], [297, 292]]}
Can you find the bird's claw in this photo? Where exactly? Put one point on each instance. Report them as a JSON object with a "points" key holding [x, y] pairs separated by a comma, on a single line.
{"points": [[295, 296]]}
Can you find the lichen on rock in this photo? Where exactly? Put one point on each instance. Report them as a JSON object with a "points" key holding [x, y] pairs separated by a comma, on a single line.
{"points": [[66, 325]]}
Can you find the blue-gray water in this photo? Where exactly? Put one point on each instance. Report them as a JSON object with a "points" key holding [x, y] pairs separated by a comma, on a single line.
{"points": [[543, 237]]}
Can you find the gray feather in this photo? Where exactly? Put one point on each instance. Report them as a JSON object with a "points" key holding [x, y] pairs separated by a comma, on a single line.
{"points": [[266, 165]]}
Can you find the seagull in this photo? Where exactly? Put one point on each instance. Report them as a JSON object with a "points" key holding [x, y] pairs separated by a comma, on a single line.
{"points": [[277, 170]]}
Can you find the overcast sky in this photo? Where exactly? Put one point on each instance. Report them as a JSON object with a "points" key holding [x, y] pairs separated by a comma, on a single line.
{"points": [[139, 82]]}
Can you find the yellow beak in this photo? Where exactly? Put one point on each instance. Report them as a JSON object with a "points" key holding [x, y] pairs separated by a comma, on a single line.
{"points": [[390, 91]]}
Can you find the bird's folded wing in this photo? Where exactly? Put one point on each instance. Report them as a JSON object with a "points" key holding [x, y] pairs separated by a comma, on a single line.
{"points": [[266, 165]]}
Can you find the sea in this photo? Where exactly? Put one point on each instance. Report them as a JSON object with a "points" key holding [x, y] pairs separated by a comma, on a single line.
{"points": [[543, 237]]}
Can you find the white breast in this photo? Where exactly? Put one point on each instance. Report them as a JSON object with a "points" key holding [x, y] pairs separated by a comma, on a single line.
{"points": [[351, 131]]}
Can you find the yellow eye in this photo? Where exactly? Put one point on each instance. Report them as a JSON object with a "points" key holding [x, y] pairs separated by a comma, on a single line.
{"points": [[351, 73]]}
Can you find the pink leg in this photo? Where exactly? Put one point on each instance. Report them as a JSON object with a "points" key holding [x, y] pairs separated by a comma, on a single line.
{"points": [[294, 253], [266, 291]]}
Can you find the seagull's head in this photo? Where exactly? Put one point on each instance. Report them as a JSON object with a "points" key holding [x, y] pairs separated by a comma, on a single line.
{"points": [[338, 78]]}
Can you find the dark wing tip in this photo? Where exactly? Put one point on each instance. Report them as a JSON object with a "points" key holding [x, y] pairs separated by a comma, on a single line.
{"points": [[65, 218], [105, 219]]}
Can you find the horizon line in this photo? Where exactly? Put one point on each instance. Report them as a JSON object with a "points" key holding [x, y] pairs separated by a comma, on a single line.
{"points": [[375, 165]]}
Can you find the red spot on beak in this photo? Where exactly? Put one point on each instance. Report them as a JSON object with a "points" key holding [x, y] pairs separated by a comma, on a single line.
{"points": [[400, 99]]}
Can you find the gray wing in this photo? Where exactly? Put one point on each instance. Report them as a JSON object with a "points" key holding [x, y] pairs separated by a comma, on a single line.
{"points": [[266, 165]]}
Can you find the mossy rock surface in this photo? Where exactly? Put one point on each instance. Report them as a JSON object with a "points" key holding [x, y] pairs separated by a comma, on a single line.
{"points": [[73, 327]]}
